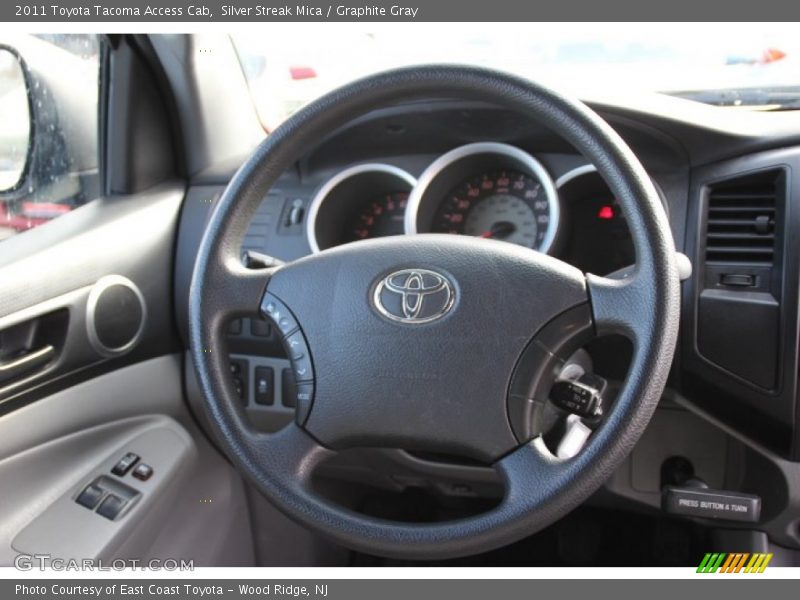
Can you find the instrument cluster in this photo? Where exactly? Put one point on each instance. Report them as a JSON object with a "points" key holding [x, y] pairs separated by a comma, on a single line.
{"points": [[486, 190]]}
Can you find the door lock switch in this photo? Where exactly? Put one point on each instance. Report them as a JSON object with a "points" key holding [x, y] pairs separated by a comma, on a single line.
{"points": [[143, 472], [124, 464]]}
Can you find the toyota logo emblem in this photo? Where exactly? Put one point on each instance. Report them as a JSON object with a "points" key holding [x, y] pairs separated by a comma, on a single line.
{"points": [[414, 296]]}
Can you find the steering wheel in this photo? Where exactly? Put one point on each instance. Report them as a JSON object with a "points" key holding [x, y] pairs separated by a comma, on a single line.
{"points": [[433, 342]]}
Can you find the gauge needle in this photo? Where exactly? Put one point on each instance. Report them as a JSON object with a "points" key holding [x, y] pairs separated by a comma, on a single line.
{"points": [[500, 230]]}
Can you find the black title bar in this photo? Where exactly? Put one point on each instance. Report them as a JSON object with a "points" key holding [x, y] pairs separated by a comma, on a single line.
{"points": [[265, 11]]}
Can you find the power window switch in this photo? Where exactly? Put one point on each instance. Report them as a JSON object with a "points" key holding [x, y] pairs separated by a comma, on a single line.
{"points": [[111, 507], [125, 463], [143, 472], [90, 496]]}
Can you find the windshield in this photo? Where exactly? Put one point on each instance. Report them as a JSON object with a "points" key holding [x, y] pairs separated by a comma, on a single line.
{"points": [[726, 64]]}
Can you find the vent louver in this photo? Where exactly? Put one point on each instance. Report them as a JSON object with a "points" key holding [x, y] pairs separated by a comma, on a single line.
{"points": [[741, 220]]}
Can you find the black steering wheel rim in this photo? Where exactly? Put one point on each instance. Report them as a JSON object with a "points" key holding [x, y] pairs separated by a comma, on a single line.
{"points": [[540, 489]]}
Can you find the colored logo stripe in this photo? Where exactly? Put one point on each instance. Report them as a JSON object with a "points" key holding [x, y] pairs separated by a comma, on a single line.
{"points": [[758, 563], [710, 563], [734, 563]]}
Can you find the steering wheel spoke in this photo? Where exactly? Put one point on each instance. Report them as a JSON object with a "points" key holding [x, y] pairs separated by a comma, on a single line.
{"points": [[528, 469], [617, 306], [292, 451], [236, 291]]}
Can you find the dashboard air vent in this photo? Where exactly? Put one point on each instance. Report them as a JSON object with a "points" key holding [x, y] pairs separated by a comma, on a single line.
{"points": [[741, 219]]}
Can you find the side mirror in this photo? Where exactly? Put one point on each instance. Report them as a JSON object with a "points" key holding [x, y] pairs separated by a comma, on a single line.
{"points": [[15, 120]]}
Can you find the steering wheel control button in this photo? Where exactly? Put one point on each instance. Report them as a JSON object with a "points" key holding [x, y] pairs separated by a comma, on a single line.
{"points": [[297, 383], [264, 386], [305, 397], [90, 496], [111, 507], [124, 464], [288, 389], [302, 370], [142, 472], [279, 314], [296, 346], [297, 350], [260, 328], [239, 375]]}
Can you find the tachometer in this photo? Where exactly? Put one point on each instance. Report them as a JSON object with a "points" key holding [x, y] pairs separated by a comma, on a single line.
{"points": [[363, 201], [379, 216], [502, 204]]}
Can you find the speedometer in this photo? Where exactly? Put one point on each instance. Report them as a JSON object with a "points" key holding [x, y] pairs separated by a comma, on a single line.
{"points": [[502, 204], [487, 190]]}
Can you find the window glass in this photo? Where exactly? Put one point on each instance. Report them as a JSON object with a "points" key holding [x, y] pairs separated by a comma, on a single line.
{"points": [[14, 120], [754, 65]]}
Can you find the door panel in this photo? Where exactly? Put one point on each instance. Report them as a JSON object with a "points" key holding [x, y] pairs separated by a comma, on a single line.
{"points": [[52, 449], [56, 267], [90, 358]]}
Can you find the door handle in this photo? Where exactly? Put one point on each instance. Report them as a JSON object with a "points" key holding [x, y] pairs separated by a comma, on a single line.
{"points": [[26, 363]]}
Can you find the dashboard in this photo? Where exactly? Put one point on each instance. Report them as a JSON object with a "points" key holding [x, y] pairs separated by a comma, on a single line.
{"points": [[460, 168]]}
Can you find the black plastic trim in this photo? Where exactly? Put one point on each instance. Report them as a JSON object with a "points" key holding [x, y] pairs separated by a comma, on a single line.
{"points": [[766, 415]]}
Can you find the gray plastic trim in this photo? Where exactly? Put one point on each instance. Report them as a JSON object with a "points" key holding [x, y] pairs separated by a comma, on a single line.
{"points": [[91, 306], [68, 530], [51, 448], [589, 168], [574, 174], [72, 301]]}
